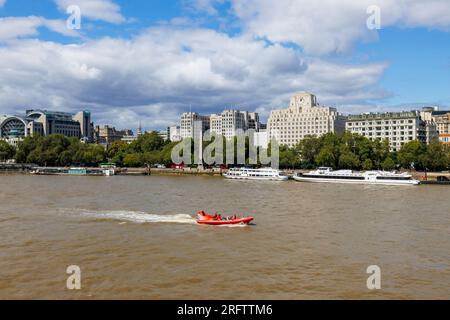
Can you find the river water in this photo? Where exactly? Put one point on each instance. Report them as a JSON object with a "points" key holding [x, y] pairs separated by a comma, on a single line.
{"points": [[136, 238]]}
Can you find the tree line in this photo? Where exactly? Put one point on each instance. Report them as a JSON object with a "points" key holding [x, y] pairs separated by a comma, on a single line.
{"points": [[339, 151], [58, 150], [148, 150], [352, 151]]}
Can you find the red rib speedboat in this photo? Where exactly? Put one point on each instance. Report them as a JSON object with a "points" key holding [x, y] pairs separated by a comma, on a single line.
{"points": [[218, 220]]}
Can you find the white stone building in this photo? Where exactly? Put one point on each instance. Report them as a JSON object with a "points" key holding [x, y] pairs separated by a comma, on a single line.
{"points": [[175, 134], [398, 127], [304, 117], [215, 123], [229, 122], [193, 123]]}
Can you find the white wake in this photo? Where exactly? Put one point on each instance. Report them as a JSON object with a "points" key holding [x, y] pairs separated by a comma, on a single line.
{"points": [[141, 217]]}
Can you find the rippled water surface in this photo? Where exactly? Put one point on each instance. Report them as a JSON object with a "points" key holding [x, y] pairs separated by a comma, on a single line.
{"points": [[136, 238]]}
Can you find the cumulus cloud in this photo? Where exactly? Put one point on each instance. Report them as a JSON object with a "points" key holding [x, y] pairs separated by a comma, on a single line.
{"points": [[104, 10], [165, 71], [323, 27], [17, 27]]}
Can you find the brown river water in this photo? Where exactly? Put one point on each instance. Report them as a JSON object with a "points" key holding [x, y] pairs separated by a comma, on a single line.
{"points": [[136, 238]]}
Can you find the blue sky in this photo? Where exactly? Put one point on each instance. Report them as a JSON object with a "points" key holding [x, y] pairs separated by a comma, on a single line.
{"points": [[419, 64], [150, 60]]}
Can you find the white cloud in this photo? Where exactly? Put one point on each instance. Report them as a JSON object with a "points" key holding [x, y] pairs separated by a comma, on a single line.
{"points": [[2, 3], [160, 73], [16, 27], [206, 6], [325, 26], [104, 10]]}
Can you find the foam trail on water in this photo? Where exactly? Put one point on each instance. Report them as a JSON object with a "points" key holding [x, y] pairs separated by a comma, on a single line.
{"points": [[141, 217]]}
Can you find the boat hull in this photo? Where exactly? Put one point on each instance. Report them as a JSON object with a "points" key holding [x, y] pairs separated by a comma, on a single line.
{"points": [[350, 181], [256, 178], [226, 222]]}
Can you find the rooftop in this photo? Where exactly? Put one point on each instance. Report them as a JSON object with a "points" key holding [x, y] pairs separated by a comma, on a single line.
{"points": [[384, 115]]}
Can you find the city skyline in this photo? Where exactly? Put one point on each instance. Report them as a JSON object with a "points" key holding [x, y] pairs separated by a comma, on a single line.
{"points": [[150, 62]]}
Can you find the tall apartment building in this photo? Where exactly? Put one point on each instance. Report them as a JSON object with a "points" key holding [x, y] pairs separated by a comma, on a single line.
{"points": [[304, 117], [442, 121], [398, 127], [229, 122], [192, 124]]}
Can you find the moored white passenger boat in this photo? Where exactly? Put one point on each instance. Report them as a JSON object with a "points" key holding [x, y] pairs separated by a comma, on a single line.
{"points": [[255, 174], [327, 175]]}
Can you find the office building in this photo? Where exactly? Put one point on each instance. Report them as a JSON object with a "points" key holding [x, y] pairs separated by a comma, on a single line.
{"points": [[71, 125], [193, 124], [304, 117], [14, 128], [398, 127], [107, 135], [230, 122], [442, 121]]}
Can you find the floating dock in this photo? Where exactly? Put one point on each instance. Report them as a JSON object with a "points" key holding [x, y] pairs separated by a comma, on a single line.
{"points": [[72, 171]]}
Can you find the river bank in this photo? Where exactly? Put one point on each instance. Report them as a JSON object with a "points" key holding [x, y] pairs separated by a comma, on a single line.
{"points": [[424, 177]]}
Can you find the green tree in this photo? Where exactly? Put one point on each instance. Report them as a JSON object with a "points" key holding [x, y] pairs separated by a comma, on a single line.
{"points": [[33, 157], [6, 151], [65, 158], [326, 157], [117, 149], [364, 148], [436, 157], [151, 142], [166, 153], [58, 150], [25, 147], [309, 148], [152, 158], [289, 158], [388, 164], [367, 164], [133, 160], [410, 155], [380, 152], [348, 160], [48, 157]]}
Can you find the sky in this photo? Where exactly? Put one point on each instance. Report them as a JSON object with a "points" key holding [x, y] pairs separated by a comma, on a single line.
{"points": [[148, 61]]}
